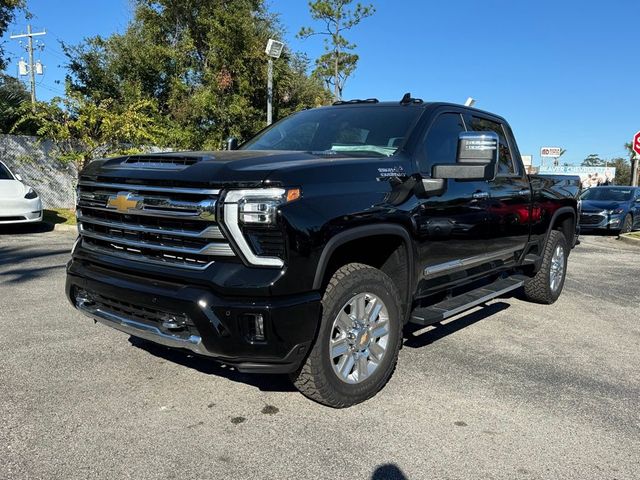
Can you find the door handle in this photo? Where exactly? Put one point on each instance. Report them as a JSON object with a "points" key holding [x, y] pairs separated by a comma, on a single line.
{"points": [[523, 193], [479, 195]]}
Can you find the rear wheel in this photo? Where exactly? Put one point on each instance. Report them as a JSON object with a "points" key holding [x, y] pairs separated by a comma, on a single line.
{"points": [[358, 341], [547, 284]]}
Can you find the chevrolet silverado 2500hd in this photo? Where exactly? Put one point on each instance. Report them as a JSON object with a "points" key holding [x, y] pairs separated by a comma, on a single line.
{"points": [[307, 250]]}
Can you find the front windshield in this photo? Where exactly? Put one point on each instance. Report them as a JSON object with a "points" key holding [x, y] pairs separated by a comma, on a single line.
{"points": [[342, 130], [611, 194], [5, 174]]}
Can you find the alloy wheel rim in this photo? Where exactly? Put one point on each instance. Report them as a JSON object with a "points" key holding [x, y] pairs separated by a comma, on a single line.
{"points": [[359, 338], [556, 272]]}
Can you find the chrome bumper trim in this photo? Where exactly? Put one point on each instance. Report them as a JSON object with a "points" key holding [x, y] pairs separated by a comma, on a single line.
{"points": [[141, 330]]}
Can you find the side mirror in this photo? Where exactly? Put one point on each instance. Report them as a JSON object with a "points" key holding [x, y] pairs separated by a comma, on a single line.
{"points": [[232, 143], [18, 177], [477, 158]]}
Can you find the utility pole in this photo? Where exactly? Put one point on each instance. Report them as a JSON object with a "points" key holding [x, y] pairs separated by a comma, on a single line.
{"points": [[33, 68]]}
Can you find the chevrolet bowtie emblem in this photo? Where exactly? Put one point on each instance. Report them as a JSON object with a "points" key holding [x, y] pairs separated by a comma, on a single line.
{"points": [[123, 201]]}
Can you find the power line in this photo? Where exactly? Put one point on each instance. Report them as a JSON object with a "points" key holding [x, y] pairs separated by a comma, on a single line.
{"points": [[33, 67]]}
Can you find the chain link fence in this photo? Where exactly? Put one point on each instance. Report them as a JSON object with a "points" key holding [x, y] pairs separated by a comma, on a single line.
{"points": [[33, 159]]}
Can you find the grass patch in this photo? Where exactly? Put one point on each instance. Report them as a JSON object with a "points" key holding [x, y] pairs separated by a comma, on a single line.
{"points": [[635, 235], [61, 216]]}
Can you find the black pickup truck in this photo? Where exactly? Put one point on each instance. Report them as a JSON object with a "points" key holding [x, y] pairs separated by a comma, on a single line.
{"points": [[308, 249]]}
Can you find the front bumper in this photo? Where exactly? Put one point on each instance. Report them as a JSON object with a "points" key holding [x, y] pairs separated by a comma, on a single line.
{"points": [[213, 326], [600, 221], [20, 211]]}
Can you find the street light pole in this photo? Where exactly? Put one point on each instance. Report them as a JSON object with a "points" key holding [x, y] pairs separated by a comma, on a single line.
{"points": [[269, 91], [273, 50]]}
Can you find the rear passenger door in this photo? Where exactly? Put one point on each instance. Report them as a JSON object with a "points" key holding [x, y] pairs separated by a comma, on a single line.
{"points": [[509, 203]]}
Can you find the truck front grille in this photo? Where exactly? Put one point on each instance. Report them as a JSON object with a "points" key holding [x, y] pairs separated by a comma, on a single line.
{"points": [[151, 223]]}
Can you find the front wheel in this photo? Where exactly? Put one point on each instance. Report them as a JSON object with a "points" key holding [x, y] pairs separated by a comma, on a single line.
{"points": [[356, 350], [547, 284], [627, 224]]}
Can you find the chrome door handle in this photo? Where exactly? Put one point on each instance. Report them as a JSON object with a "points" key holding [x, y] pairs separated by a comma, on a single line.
{"points": [[480, 195], [523, 193]]}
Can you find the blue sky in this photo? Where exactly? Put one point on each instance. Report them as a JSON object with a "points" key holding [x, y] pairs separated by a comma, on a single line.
{"points": [[564, 73]]}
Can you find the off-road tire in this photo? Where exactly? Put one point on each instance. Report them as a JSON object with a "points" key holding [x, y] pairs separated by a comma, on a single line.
{"points": [[538, 289], [316, 378]]}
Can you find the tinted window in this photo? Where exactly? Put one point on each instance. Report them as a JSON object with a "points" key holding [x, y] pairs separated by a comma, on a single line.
{"points": [[505, 162], [363, 131], [4, 173], [442, 140]]}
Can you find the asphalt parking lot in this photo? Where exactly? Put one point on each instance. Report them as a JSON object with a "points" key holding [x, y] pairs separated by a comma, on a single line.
{"points": [[512, 390]]}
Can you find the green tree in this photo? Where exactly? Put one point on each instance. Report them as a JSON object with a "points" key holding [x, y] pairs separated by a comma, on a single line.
{"points": [[202, 64], [593, 160], [82, 129], [8, 9], [12, 96], [623, 170], [338, 62]]}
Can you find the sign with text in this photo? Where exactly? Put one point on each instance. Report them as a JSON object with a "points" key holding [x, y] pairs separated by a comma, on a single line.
{"points": [[550, 152], [596, 173]]}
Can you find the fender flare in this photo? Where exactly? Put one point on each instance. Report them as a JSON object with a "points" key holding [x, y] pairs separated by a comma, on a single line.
{"points": [[554, 217], [362, 232]]}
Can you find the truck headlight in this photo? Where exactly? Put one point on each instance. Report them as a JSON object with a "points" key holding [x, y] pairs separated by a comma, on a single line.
{"points": [[255, 207]]}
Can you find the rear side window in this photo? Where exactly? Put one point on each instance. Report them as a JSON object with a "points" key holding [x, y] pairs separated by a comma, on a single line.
{"points": [[441, 142], [505, 160]]}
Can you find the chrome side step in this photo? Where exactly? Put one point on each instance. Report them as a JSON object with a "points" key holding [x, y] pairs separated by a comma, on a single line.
{"points": [[452, 306]]}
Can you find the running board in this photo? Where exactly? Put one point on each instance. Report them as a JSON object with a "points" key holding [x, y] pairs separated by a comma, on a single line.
{"points": [[454, 305]]}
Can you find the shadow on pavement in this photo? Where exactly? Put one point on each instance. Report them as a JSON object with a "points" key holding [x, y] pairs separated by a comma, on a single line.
{"points": [[266, 383], [25, 228], [388, 471], [441, 330]]}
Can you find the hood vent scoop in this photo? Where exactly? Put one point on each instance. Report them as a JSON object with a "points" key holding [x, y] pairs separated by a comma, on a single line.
{"points": [[160, 162]]}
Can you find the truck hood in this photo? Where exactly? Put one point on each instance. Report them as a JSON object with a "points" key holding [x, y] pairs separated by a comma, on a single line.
{"points": [[215, 168]]}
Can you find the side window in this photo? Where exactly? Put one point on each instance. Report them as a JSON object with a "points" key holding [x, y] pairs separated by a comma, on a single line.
{"points": [[505, 160], [441, 142]]}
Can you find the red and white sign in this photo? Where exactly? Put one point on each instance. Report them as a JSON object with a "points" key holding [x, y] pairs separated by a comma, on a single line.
{"points": [[636, 144], [553, 152]]}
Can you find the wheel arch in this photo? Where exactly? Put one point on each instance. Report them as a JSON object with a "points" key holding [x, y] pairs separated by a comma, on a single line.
{"points": [[395, 246], [564, 219]]}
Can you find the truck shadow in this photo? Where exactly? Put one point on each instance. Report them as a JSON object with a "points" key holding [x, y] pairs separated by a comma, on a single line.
{"points": [[265, 383], [25, 228], [441, 330]]}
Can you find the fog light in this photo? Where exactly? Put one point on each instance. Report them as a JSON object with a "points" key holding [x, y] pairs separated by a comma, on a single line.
{"points": [[83, 298], [256, 327]]}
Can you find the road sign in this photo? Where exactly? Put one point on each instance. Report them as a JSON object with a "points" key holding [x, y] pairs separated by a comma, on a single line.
{"points": [[636, 144], [550, 152]]}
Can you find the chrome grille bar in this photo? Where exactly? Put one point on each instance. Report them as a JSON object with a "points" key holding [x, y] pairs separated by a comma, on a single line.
{"points": [[209, 232], [148, 188], [217, 249]]}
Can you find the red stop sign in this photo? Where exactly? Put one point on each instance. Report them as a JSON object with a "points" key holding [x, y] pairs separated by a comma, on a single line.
{"points": [[636, 144]]}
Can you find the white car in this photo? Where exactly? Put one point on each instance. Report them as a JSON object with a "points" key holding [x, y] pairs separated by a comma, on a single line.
{"points": [[19, 203]]}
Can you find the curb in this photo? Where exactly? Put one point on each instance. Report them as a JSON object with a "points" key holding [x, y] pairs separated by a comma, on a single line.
{"points": [[626, 238], [61, 227]]}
